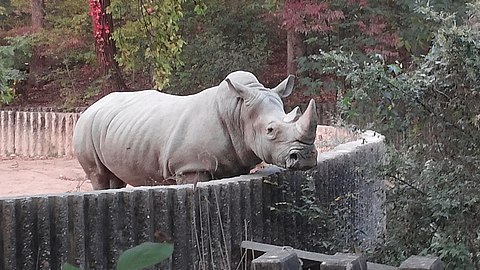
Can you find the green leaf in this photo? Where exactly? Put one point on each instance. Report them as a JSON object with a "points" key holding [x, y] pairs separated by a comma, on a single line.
{"points": [[144, 255], [67, 266], [395, 69]]}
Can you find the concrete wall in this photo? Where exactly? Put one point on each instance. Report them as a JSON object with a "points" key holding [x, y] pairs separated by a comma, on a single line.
{"points": [[36, 133], [207, 223]]}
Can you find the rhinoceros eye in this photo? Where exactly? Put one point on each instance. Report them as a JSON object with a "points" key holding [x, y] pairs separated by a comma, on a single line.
{"points": [[271, 133]]}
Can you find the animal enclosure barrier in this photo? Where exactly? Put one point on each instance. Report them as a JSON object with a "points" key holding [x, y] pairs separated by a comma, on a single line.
{"points": [[207, 223], [37, 133]]}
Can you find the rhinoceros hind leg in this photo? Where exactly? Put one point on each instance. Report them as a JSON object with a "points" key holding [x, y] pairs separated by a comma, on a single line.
{"points": [[115, 182], [99, 175], [105, 180]]}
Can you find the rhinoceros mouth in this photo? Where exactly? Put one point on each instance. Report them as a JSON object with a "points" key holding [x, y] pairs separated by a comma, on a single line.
{"points": [[298, 159]]}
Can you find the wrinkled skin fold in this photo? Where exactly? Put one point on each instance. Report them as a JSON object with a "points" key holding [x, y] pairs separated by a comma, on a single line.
{"points": [[152, 138]]}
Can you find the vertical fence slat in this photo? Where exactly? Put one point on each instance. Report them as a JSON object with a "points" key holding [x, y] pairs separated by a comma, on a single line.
{"points": [[236, 224], [30, 133], [69, 127], [76, 232], [95, 231], [40, 138], [43, 232], [143, 214], [9, 234], [27, 234], [162, 203], [224, 215], [59, 230], [215, 231], [181, 222], [257, 209], [3, 133], [47, 133], [54, 134], [7, 133], [18, 133], [114, 216], [61, 135]]}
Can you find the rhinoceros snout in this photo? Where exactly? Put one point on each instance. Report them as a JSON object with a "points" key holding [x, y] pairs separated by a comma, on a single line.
{"points": [[297, 160]]}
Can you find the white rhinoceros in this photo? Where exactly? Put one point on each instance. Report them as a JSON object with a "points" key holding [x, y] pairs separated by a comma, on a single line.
{"points": [[152, 138]]}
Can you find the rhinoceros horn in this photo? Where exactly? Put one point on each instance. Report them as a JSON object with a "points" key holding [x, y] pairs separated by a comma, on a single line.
{"points": [[285, 88], [307, 124], [293, 115]]}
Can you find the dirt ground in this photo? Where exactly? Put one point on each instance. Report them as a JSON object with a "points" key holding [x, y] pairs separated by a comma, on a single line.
{"points": [[41, 176]]}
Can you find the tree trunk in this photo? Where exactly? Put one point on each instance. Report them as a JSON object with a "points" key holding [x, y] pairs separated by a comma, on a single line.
{"points": [[38, 13], [295, 48], [104, 44]]}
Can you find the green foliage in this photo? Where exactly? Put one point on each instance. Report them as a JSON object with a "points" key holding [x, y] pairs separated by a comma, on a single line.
{"points": [[68, 26], [144, 255], [324, 222], [391, 29], [224, 39], [68, 18], [430, 114], [147, 37], [13, 59]]}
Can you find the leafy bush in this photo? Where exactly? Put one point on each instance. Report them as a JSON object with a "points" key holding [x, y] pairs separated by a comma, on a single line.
{"points": [[147, 37], [392, 29], [223, 40], [430, 114], [13, 64]]}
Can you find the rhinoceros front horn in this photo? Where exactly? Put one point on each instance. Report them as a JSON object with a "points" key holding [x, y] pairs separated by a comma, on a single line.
{"points": [[307, 124]]}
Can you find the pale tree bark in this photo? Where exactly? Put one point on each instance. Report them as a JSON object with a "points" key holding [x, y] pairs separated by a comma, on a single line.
{"points": [[295, 48], [38, 13]]}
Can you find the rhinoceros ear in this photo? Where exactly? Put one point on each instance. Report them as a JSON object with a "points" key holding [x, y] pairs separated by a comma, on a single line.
{"points": [[243, 91], [285, 88]]}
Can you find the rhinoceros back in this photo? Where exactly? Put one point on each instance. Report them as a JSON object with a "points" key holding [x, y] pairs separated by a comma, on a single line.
{"points": [[135, 134], [147, 137]]}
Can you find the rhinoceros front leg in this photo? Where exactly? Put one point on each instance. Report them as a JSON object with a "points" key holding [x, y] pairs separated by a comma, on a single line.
{"points": [[192, 177]]}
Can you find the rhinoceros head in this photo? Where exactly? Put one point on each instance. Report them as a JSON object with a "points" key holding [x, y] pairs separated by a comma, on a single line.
{"points": [[285, 140]]}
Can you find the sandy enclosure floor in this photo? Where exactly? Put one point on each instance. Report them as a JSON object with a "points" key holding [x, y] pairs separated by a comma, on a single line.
{"points": [[41, 176]]}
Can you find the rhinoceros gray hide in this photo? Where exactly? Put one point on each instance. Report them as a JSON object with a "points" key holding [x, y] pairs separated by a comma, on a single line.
{"points": [[152, 138]]}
